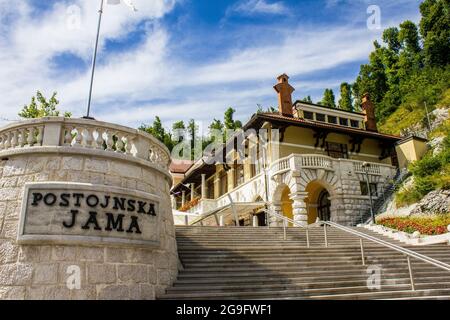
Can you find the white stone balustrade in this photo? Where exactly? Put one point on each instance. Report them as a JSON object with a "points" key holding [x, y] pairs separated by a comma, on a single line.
{"points": [[82, 135], [204, 205], [21, 136], [299, 162], [372, 169], [315, 162]]}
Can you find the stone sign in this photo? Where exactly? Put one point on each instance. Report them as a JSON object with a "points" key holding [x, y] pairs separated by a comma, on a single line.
{"points": [[70, 213]]}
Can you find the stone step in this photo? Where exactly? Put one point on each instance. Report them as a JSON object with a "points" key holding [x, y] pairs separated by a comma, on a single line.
{"points": [[257, 263], [281, 286], [320, 288], [256, 279], [330, 293], [289, 272], [310, 283], [232, 257], [272, 265], [390, 295], [220, 254]]}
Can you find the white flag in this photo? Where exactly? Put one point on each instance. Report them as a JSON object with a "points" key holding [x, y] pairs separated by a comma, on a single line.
{"points": [[129, 3]]}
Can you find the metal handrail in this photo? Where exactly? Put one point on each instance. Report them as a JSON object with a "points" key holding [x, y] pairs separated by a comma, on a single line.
{"points": [[392, 246], [408, 253], [295, 224]]}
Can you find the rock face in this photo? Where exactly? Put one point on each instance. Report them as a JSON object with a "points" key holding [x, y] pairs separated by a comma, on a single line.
{"points": [[436, 202], [440, 115], [436, 145]]}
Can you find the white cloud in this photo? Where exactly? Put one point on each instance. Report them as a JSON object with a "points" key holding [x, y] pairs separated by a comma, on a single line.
{"points": [[252, 7], [149, 79], [33, 40]]}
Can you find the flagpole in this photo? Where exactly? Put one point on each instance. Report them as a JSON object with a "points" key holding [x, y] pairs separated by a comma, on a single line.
{"points": [[100, 13]]}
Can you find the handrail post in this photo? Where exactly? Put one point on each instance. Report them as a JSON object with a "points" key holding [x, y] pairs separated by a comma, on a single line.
{"points": [[362, 252], [411, 274], [217, 219], [325, 234], [307, 236], [284, 230]]}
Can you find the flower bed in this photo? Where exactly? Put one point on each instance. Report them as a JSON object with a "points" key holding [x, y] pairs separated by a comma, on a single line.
{"points": [[425, 225], [189, 205]]}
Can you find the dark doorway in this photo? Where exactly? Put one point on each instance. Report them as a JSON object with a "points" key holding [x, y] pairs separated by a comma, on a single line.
{"points": [[261, 219], [324, 208]]}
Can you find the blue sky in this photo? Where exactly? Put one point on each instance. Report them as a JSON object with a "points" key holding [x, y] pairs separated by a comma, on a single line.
{"points": [[183, 59]]}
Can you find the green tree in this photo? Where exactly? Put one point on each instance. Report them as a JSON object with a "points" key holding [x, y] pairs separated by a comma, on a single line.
{"points": [[307, 99], [345, 102], [192, 130], [41, 107], [197, 141], [216, 125], [157, 130], [435, 31], [229, 121], [409, 36], [391, 38], [178, 125], [178, 130], [328, 99]]}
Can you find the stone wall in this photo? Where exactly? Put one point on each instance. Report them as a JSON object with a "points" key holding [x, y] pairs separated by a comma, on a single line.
{"points": [[107, 271], [341, 178]]}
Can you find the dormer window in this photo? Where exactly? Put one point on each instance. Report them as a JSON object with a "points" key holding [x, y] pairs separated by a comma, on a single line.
{"points": [[332, 119], [343, 122], [354, 123], [320, 117], [308, 115]]}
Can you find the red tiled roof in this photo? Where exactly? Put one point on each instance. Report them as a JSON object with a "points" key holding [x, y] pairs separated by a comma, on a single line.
{"points": [[180, 166]]}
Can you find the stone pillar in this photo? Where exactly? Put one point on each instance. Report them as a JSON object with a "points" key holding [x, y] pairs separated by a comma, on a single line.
{"points": [[173, 200], [203, 186], [216, 188], [230, 178], [192, 191], [299, 208], [255, 221], [183, 197], [274, 221]]}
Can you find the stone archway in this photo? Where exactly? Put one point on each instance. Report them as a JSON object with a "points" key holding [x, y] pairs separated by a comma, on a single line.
{"points": [[286, 203], [301, 183], [318, 202]]}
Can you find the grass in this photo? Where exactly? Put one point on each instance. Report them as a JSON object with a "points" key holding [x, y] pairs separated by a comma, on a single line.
{"points": [[433, 225]]}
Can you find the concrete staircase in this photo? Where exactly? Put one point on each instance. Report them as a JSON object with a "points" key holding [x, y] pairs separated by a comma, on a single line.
{"points": [[384, 198], [256, 263]]}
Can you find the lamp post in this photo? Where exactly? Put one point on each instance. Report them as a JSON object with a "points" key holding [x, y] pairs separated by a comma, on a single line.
{"points": [[366, 167]]}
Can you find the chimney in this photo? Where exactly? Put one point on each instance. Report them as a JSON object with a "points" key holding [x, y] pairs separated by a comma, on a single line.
{"points": [[284, 90], [369, 110]]}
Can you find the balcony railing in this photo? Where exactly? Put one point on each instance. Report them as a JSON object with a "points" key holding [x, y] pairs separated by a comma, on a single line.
{"points": [[314, 162], [374, 168], [296, 161], [299, 162], [203, 205], [82, 135]]}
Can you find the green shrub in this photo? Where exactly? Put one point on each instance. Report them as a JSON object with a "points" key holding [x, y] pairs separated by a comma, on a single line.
{"points": [[424, 185], [426, 167], [407, 197]]}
